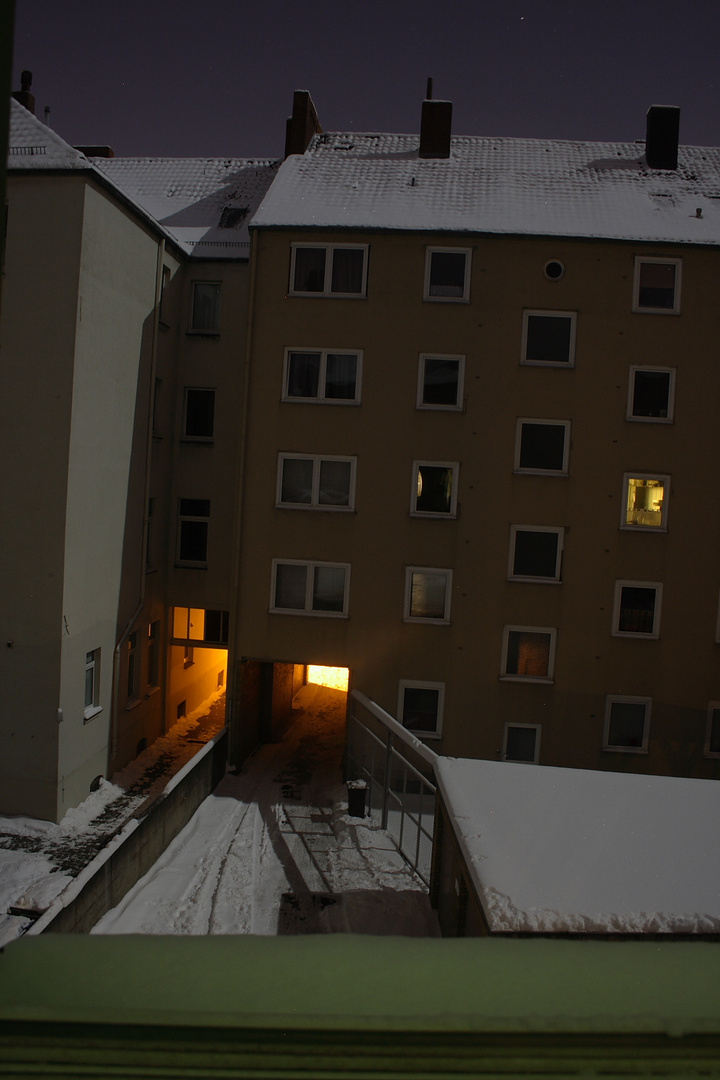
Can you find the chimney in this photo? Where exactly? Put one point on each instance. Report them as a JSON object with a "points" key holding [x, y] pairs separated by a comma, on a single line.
{"points": [[435, 126], [96, 151], [302, 125], [23, 95], [663, 131]]}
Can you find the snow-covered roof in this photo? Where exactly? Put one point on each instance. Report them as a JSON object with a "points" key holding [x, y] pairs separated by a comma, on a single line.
{"points": [[493, 185], [32, 145], [573, 850]]}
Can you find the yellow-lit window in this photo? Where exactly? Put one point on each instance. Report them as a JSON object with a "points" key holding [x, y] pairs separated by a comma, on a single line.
{"points": [[645, 502], [334, 677]]}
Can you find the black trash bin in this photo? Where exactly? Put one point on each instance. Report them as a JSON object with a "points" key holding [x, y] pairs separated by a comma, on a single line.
{"points": [[357, 794]]}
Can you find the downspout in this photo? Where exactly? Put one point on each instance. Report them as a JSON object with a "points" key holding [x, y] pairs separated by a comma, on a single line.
{"points": [[112, 749]]}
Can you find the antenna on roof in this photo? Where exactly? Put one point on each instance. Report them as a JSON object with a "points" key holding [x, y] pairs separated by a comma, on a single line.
{"points": [[428, 92]]}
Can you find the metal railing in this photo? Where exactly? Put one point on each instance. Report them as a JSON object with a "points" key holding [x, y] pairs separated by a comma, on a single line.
{"points": [[399, 771]]}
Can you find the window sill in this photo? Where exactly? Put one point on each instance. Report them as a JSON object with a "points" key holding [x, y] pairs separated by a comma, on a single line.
{"points": [[203, 333], [132, 703], [643, 528], [90, 714], [650, 419], [323, 509], [425, 620], [655, 311], [440, 408], [327, 296], [548, 363], [446, 299], [624, 750], [435, 515], [319, 401], [540, 472], [198, 440], [527, 678], [636, 635], [536, 580], [312, 614], [151, 691]]}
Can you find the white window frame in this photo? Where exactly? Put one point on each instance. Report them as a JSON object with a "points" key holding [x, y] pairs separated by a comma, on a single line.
{"points": [[532, 471], [310, 565], [641, 260], [321, 399], [520, 761], [458, 406], [619, 586], [670, 418], [429, 252], [571, 315], [624, 524], [631, 700], [206, 331], [425, 619], [329, 250], [93, 664], [713, 707], [560, 533], [422, 684], [314, 504], [551, 632], [440, 514], [200, 563], [197, 438]]}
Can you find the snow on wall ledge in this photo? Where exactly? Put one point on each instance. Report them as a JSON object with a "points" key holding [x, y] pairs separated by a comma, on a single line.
{"points": [[553, 850]]}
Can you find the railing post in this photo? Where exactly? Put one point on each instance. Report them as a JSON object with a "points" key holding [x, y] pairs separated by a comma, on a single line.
{"points": [[386, 785]]}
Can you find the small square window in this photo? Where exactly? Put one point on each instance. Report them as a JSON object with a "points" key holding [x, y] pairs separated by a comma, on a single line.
{"points": [[194, 516], [637, 609], [434, 489], [309, 588], [427, 594], [712, 735], [528, 653], [627, 724], [322, 376], [521, 743], [199, 414], [314, 482], [447, 274], [206, 307], [535, 553], [651, 395], [645, 502], [542, 446], [549, 338], [328, 270], [92, 684], [440, 382], [657, 285], [420, 707]]}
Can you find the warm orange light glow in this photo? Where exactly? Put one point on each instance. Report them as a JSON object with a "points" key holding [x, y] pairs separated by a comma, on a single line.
{"points": [[335, 677]]}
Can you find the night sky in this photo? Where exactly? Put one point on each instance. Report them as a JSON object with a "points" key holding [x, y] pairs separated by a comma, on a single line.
{"points": [[191, 79]]}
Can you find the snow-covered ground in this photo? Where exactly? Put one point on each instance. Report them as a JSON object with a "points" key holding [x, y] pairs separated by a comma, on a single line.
{"points": [[273, 851]]}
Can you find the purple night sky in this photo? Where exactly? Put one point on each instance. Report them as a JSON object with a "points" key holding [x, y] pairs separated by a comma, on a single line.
{"points": [[187, 79]]}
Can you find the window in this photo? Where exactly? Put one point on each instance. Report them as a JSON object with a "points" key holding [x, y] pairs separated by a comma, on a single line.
{"points": [[200, 624], [712, 737], [322, 376], [310, 588], [548, 337], [657, 285], [199, 414], [447, 274], [528, 653], [521, 743], [651, 396], [133, 663], [440, 382], [205, 307], [420, 707], [165, 281], [193, 532], [434, 489], [645, 502], [637, 609], [316, 483], [328, 270], [535, 553], [542, 446], [92, 684], [427, 594], [627, 724], [153, 657]]}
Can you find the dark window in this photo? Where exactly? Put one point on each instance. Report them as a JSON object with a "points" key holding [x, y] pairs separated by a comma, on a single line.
{"points": [[434, 489], [199, 413], [626, 727], [331, 271], [347, 270], [520, 743], [528, 654], [637, 610], [309, 270], [651, 394], [233, 216], [321, 376], [310, 587], [549, 339], [440, 381], [542, 446], [447, 274], [656, 286], [216, 625], [536, 554], [713, 746], [206, 307], [192, 546], [420, 708]]}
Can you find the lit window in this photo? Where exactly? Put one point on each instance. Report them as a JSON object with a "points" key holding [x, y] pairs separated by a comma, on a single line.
{"points": [[627, 724], [427, 594], [447, 274], [549, 338], [206, 307], [194, 519], [309, 588], [651, 395], [420, 707], [657, 285], [645, 502], [434, 489], [440, 382], [636, 611], [712, 736], [521, 743], [535, 553], [199, 414], [92, 684], [200, 624], [313, 482], [528, 653], [322, 376], [328, 270], [542, 446]]}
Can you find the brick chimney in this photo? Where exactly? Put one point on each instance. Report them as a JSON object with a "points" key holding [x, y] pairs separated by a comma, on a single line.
{"points": [[435, 126], [302, 125], [23, 95], [662, 135]]}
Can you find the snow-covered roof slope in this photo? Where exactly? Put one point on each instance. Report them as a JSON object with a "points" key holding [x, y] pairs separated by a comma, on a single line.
{"points": [[489, 185], [32, 145], [204, 203], [572, 850]]}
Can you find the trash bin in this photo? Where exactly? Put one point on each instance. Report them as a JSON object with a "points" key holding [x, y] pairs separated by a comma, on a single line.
{"points": [[357, 794]]}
